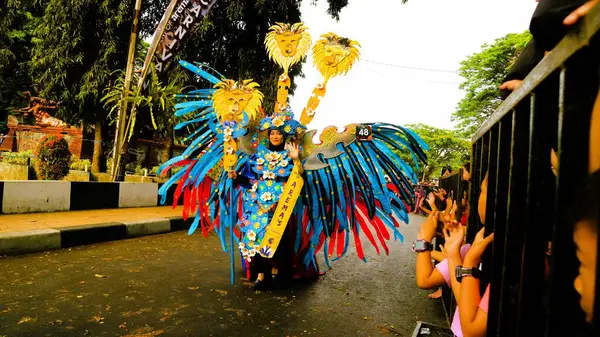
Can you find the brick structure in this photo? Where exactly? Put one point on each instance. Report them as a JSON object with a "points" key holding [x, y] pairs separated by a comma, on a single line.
{"points": [[27, 137]]}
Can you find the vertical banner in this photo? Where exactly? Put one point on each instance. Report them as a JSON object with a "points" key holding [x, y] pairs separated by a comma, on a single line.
{"points": [[184, 18]]}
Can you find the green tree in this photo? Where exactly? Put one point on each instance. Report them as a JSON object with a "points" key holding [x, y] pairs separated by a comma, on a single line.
{"points": [[158, 101], [446, 147], [483, 73], [78, 45], [18, 20]]}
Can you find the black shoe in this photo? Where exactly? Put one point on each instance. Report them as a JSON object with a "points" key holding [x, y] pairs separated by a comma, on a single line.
{"points": [[278, 281], [261, 284]]}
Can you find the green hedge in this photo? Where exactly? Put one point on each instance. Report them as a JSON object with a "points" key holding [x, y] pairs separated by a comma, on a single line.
{"points": [[80, 164], [21, 158]]}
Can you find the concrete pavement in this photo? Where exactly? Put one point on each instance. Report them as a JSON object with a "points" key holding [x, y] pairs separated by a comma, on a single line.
{"points": [[28, 233]]}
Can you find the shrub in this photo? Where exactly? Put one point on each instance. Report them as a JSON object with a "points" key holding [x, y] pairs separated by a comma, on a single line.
{"points": [[20, 158], [54, 158], [80, 164], [134, 168], [139, 170], [109, 164], [3, 128]]}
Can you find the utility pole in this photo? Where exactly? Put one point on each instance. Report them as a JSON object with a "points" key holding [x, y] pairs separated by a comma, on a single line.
{"points": [[122, 115]]}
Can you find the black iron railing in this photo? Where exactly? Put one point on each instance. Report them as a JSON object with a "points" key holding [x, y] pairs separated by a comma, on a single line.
{"points": [[527, 207], [455, 187]]}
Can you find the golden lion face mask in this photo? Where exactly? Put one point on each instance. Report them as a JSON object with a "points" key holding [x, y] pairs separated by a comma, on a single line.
{"points": [[287, 44], [334, 55], [233, 98]]}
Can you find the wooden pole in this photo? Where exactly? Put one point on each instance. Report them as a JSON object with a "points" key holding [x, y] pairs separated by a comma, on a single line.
{"points": [[122, 116]]}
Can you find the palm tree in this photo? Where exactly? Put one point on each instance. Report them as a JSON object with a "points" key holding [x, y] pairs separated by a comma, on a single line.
{"points": [[157, 99]]}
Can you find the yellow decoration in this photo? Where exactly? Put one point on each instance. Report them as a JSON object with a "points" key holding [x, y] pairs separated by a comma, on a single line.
{"points": [[313, 103], [232, 98], [230, 157], [283, 90], [287, 44], [284, 209], [278, 121]]}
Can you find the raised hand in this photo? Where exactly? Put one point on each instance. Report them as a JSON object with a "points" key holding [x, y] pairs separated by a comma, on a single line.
{"points": [[293, 150], [473, 257], [431, 201], [455, 236], [511, 85], [429, 227]]}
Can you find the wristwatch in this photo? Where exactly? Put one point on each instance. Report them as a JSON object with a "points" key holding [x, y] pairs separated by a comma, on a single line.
{"points": [[462, 272], [420, 246]]}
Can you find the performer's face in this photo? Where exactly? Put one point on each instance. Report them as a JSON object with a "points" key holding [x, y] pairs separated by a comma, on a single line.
{"points": [[275, 137]]}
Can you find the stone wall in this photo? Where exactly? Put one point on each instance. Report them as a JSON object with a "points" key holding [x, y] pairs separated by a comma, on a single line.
{"points": [[29, 137], [13, 171]]}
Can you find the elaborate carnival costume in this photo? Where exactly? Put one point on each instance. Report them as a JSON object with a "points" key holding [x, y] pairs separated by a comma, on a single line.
{"points": [[236, 181]]}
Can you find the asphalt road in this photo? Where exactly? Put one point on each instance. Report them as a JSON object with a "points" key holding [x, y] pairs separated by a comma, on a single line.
{"points": [[177, 285]]}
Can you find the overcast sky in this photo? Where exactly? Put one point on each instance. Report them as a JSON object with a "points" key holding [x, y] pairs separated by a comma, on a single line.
{"points": [[429, 34]]}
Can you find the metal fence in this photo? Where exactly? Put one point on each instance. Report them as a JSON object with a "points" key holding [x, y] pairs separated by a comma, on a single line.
{"points": [[454, 186], [532, 292]]}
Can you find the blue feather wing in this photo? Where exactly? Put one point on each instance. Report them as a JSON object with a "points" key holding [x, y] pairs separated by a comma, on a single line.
{"points": [[351, 196]]}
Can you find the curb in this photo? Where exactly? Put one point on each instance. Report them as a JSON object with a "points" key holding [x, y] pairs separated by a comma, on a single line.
{"points": [[39, 240]]}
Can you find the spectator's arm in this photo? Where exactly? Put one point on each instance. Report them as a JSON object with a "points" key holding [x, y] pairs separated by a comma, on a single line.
{"points": [[427, 276], [438, 256], [547, 23], [524, 64], [454, 260], [454, 238], [425, 210], [473, 320]]}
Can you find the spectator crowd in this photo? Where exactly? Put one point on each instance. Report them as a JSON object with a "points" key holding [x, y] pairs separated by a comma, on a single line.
{"points": [[457, 263]]}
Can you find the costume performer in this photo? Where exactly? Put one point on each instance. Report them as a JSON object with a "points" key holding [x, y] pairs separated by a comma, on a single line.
{"points": [[282, 197]]}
